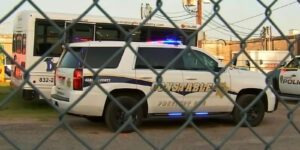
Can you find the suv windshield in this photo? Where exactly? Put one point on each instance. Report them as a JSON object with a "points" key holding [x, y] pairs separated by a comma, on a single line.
{"points": [[95, 57]]}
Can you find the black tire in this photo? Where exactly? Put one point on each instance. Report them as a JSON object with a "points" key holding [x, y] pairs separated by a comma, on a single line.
{"points": [[255, 114], [115, 116]]}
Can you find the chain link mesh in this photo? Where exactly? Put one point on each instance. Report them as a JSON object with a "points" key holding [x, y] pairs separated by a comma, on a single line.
{"points": [[63, 123]]}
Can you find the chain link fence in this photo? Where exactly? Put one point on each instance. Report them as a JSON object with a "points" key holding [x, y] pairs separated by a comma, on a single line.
{"points": [[63, 123]]}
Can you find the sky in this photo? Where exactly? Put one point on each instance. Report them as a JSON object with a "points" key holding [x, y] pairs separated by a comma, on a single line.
{"points": [[242, 15]]}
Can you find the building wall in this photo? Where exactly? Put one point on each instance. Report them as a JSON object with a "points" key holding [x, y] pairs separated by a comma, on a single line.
{"points": [[220, 49], [225, 49], [6, 42]]}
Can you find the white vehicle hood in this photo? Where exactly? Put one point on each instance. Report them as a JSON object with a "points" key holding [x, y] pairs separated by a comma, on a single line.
{"points": [[241, 79]]}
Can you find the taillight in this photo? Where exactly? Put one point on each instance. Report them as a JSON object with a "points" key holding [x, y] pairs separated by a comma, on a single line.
{"points": [[77, 79], [18, 72]]}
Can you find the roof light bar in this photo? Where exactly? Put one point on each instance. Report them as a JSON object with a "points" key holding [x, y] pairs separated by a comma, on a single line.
{"points": [[167, 41]]}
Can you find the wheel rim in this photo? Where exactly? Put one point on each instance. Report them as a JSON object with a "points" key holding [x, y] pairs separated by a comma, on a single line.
{"points": [[121, 118], [253, 113]]}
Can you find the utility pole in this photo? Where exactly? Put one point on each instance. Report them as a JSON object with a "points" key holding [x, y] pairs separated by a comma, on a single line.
{"points": [[268, 36], [199, 12], [199, 19]]}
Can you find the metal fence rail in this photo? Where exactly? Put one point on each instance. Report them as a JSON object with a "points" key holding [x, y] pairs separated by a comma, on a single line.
{"points": [[62, 123]]}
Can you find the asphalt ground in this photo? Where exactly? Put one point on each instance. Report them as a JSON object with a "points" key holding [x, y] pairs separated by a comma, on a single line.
{"points": [[26, 133]]}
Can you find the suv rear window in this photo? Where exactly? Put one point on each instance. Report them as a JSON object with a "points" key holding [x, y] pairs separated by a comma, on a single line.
{"points": [[93, 56], [69, 60]]}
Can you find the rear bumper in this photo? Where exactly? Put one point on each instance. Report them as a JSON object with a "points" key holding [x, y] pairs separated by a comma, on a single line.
{"points": [[60, 98], [90, 105], [45, 90]]}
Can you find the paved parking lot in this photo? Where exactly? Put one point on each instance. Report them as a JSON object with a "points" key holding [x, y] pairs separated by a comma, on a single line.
{"points": [[26, 133]]}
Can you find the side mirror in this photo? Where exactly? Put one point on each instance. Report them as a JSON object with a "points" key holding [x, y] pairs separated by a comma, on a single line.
{"points": [[234, 62], [247, 63], [219, 67], [283, 64]]}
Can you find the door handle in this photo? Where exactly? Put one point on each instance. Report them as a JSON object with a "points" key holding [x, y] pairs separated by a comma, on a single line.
{"points": [[146, 78], [191, 79], [293, 75]]}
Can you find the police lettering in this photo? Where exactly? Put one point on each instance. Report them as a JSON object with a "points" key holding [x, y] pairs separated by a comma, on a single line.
{"points": [[90, 80], [184, 103], [291, 81], [174, 104], [185, 87]]}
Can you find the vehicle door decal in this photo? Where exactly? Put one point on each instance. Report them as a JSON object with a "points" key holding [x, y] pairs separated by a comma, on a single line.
{"points": [[50, 64], [177, 87], [113, 79], [289, 80]]}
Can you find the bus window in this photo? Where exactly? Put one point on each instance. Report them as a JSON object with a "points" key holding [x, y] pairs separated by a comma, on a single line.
{"points": [[45, 37], [136, 36], [159, 34], [24, 44], [14, 45], [19, 43], [107, 34], [193, 40], [80, 32]]}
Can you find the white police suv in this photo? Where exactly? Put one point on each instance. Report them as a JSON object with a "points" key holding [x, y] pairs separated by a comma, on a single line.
{"points": [[137, 79]]}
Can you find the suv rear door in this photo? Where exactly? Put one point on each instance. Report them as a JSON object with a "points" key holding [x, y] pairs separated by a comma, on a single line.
{"points": [[97, 57], [65, 70]]}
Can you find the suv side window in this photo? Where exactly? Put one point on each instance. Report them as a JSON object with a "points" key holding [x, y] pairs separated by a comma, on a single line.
{"points": [[158, 58], [198, 61], [98, 56], [294, 63]]}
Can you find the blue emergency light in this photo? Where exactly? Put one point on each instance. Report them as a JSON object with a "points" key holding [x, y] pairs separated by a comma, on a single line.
{"points": [[173, 42], [201, 113], [168, 41], [175, 114]]}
